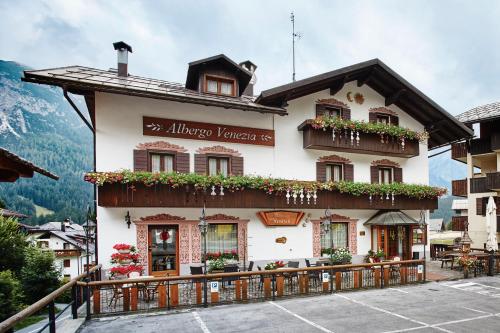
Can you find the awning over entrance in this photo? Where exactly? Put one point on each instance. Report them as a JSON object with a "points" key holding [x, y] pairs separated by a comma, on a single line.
{"points": [[391, 217]]}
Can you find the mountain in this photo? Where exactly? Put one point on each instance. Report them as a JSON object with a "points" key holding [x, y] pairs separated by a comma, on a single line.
{"points": [[37, 123]]}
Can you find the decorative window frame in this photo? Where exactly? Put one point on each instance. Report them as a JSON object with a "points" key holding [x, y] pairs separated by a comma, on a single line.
{"points": [[162, 148], [392, 115], [334, 159], [218, 150], [352, 230], [385, 163], [235, 158], [219, 79], [344, 110]]}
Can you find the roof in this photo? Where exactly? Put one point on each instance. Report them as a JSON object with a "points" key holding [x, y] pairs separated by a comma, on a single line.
{"points": [[442, 126], [391, 217], [459, 204], [11, 213], [19, 163], [481, 113], [85, 80], [435, 224], [218, 61]]}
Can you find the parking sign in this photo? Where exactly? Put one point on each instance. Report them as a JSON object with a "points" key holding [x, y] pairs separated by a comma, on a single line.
{"points": [[214, 286], [326, 277]]}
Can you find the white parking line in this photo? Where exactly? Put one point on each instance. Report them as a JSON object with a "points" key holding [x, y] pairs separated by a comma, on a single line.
{"points": [[302, 318], [203, 327], [401, 291]]}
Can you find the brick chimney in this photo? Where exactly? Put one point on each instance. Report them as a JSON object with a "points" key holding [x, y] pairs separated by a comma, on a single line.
{"points": [[251, 67], [122, 50]]}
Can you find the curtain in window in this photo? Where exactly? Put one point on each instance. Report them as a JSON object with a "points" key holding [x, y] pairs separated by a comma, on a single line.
{"points": [[224, 166], [168, 161], [221, 238], [155, 163], [212, 86], [212, 166], [385, 176], [226, 88], [333, 173], [339, 233]]}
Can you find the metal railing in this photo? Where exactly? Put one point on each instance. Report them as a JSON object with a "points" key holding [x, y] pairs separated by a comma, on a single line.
{"points": [[143, 294], [49, 302]]}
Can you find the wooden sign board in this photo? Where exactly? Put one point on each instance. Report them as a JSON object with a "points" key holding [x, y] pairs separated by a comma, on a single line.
{"points": [[205, 131], [280, 217]]}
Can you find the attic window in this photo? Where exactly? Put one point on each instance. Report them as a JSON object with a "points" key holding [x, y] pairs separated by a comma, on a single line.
{"points": [[220, 85]]}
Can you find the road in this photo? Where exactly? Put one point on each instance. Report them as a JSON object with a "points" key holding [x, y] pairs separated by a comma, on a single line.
{"points": [[456, 306]]}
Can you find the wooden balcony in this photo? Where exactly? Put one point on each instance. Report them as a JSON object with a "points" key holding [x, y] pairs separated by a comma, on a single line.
{"points": [[459, 187], [480, 146], [495, 141], [458, 223], [478, 185], [493, 181], [459, 151], [481, 204], [368, 143], [121, 195]]}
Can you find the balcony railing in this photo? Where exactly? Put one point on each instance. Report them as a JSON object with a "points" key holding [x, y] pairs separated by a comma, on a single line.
{"points": [[495, 141], [459, 187], [480, 146], [368, 143], [478, 185], [493, 181], [160, 195], [171, 293], [459, 151], [458, 223]]}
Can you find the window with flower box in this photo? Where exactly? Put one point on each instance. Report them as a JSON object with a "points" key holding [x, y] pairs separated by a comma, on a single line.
{"points": [[222, 239], [162, 162], [339, 233], [334, 172]]}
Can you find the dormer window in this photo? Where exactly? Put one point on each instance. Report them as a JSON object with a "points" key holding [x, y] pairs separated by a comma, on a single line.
{"points": [[220, 85]]}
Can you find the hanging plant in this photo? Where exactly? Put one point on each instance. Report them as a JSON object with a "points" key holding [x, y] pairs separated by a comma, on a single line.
{"points": [[338, 124]]}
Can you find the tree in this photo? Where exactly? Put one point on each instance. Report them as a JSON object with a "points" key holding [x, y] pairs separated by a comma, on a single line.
{"points": [[12, 245], [39, 275], [10, 295]]}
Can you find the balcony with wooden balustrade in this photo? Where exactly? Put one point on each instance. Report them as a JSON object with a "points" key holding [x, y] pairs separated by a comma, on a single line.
{"points": [[459, 187], [458, 223]]}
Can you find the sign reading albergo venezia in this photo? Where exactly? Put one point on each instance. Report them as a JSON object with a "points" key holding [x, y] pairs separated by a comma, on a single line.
{"points": [[205, 131]]}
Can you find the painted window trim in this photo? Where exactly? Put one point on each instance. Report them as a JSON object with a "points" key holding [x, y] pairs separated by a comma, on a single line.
{"points": [[219, 79]]}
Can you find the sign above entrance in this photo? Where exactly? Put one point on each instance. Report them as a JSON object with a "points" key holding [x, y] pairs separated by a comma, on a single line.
{"points": [[205, 131], [280, 217]]}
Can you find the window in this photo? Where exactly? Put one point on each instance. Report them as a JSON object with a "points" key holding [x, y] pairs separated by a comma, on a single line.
{"points": [[383, 119], [334, 172], [385, 175], [162, 162], [67, 263], [222, 238], [66, 246], [220, 86], [218, 166], [339, 233], [328, 111], [417, 236]]}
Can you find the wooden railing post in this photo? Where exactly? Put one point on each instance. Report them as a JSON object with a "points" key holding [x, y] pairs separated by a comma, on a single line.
{"points": [[273, 281], [126, 299], [387, 272], [97, 300], [133, 298], [237, 290], [356, 279], [162, 296], [338, 281], [376, 274], [198, 293], [267, 287], [280, 282], [244, 289], [174, 295]]}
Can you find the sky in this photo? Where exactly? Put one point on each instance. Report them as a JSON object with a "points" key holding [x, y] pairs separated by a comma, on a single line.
{"points": [[450, 50]]}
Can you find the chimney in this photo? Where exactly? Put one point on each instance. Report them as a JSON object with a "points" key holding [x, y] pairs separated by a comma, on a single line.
{"points": [[251, 67], [122, 50], [63, 225]]}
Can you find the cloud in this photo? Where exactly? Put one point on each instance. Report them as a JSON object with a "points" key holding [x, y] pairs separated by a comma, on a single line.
{"points": [[445, 48]]}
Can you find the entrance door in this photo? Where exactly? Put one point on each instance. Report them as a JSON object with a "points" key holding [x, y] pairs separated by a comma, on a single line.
{"points": [[163, 251], [394, 240]]}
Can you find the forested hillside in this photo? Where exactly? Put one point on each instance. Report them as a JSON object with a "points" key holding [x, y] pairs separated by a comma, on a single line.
{"points": [[37, 123]]}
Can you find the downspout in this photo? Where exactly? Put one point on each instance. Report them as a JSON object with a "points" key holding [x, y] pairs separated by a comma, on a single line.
{"points": [[73, 105]]}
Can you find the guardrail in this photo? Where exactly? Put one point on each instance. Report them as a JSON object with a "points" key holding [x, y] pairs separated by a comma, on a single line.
{"points": [[142, 294], [48, 301]]}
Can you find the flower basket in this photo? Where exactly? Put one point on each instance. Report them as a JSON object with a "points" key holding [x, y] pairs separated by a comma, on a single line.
{"points": [[125, 261], [274, 265], [125, 251]]}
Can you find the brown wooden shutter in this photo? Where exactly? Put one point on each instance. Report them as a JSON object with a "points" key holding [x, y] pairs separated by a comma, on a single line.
{"points": [[372, 117], [140, 160], [374, 174], [398, 175], [349, 172], [182, 162], [346, 114], [237, 166], [320, 110], [479, 206], [321, 171], [200, 164], [395, 120]]}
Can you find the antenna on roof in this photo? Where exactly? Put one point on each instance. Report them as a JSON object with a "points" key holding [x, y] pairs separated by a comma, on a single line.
{"points": [[297, 35]]}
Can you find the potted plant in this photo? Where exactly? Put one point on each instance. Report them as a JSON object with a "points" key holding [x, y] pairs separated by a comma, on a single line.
{"points": [[119, 272], [123, 248], [326, 253], [379, 255], [341, 256], [216, 265], [466, 262], [124, 258], [274, 265]]}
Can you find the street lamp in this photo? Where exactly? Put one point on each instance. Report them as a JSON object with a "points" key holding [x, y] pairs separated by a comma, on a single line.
{"points": [[327, 227], [423, 227], [203, 225], [89, 227]]}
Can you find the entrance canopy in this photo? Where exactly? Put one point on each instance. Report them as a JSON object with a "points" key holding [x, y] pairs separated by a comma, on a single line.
{"points": [[391, 217]]}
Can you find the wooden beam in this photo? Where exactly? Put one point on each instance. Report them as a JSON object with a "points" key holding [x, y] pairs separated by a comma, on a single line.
{"points": [[364, 79], [336, 87], [391, 99]]}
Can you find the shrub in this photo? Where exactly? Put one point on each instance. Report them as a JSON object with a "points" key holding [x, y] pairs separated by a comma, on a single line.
{"points": [[12, 245], [39, 276], [10, 295]]}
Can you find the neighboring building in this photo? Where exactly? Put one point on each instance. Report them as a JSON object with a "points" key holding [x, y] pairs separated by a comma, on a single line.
{"points": [[480, 154], [436, 225], [213, 124], [67, 240]]}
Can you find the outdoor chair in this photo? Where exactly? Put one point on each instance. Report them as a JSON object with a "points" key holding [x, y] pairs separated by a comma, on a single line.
{"points": [[445, 258], [394, 269], [313, 275], [261, 279], [117, 294], [227, 279], [292, 275], [250, 266], [195, 270]]}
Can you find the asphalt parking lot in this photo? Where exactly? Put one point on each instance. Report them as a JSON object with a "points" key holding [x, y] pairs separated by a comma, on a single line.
{"points": [[455, 306]]}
